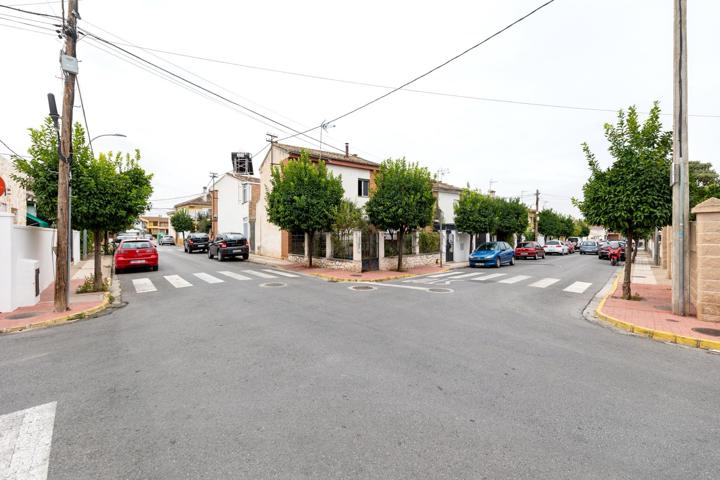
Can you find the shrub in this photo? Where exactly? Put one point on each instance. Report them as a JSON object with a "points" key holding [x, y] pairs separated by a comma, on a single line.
{"points": [[429, 242]]}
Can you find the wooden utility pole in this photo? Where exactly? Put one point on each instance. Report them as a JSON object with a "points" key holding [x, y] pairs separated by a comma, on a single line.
{"points": [[537, 213], [679, 174], [64, 232]]}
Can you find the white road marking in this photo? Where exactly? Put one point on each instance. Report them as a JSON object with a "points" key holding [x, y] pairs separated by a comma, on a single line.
{"points": [[515, 279], [206, 277], [282, 274], [420, 280], [446, 274], [468, 275], [378, 284], [259, 274], [545, 282], [491, 276], [234, 275], [143, 285], [25, 441], [577, 287], [177, 281]]}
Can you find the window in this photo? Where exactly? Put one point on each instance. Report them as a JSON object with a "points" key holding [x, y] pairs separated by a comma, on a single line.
{"points": [[245, 192], [363, 187]]}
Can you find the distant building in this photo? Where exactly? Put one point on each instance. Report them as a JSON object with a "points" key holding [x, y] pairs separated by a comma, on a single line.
{"points": [[198, 206], [15, 198], [597, 233], [236, 200], [156, 225]]}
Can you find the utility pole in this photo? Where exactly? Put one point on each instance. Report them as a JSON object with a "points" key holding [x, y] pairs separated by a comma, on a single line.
{"points": [[62, 254], [271, 138], [679, 174], [537, 214], [213, 176]]}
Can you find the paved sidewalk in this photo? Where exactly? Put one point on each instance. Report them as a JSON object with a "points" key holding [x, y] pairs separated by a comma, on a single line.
{"points": [[42, 314], [652, 316]]}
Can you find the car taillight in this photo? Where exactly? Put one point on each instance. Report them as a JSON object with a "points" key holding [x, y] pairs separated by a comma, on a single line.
{"points": [[120, 251], [223, 245], [190, 240]]}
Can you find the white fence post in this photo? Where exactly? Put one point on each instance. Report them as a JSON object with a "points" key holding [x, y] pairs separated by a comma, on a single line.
{"points": [[328, 245], [357, 245], [7, 261]]}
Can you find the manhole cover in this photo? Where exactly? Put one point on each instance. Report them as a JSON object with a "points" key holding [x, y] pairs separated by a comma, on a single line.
{"points": [[362, 288], [713, 332], [18, 316], [440, 290], [272, 284]]}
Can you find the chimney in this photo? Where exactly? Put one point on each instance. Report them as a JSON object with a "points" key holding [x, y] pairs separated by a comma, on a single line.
{"points": [[347, 149], [205, 193]]}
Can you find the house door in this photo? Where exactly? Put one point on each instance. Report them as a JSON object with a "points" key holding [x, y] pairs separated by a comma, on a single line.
{"points": [[449, 246], [369, 249]]}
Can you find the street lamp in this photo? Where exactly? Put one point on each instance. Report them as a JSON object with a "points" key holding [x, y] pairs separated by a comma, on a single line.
{"points": [[108, 135]]}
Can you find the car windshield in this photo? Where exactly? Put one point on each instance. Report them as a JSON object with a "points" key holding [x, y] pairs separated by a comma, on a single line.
{"points": [[199, 236], [614, 244], [525, 245], [133, 245], [553, 242], [234, 236], [589, 244], [487, 246]]}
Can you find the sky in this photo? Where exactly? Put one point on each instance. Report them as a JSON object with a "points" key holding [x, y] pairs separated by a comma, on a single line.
{"points": [[605, 55]]}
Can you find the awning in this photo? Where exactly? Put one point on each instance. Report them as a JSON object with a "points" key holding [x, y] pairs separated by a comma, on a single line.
{"points": [[34, 221]]}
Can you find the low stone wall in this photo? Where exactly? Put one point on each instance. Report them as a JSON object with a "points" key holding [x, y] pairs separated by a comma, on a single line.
{"points": [[334, 263], [409, 261]]}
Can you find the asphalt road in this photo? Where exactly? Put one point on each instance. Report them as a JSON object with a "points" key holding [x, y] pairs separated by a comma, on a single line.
{"points": [[314, 380]]}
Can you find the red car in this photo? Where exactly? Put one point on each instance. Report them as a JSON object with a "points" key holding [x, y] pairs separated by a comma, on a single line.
{"points": [[529, 250], [571, 247], [136, 253]]}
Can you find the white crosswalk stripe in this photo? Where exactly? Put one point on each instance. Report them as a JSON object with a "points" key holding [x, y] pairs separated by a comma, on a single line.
{"points": [[259, 274], [25, 442], [177, 281], [234, 275], [143, 285], [446, 274], [468, 275], [577, 287], [515, 279], [488, 277], [282, 274], [545, 282], [206, 277]]}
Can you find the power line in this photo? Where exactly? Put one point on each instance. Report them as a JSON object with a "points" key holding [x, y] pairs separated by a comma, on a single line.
{"points": [[464, 52], [29, 12], [87, 129], [8, 147]]}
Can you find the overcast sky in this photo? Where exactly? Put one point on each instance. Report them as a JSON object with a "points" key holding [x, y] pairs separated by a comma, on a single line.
{"points": [[601, 54]]}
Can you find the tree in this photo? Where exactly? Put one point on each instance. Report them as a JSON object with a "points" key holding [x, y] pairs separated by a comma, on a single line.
{"points": [[108, 193], [567, 226], [304, 198], [704, 182], [550, 223], [512, 218], [581, 229], [634, 194], [475, 213], [181, 221], [347, 218], [402, 199], [203, 223]]}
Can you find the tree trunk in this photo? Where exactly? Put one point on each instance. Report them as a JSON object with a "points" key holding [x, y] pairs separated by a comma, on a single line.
{"points": [[400, 238], [97, 254], [311, 237], [627, 293]]}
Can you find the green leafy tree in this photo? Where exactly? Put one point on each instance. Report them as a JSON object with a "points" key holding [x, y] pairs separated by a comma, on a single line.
{"points": [[550, 223], [203, 223], [348, 217], [581, 229], [704, 182], [402, 199], [181, 221], [567, 226], [304, 198], [512, 218], [475, 213], [634, 194]]}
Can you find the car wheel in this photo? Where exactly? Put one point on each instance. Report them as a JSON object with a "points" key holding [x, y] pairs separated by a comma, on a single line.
{"points": [[245, 257], [210, 255], [155, 268], [220, 256], [497, 262], [512, 260]]}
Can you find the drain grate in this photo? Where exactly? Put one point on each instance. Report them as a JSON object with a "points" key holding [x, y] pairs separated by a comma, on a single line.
{"points": [[713, 332], [19, 316], [362, 288], [272, 284], [439, 290]]}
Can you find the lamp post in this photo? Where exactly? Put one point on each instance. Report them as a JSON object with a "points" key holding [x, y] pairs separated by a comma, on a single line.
{"points": [[105, 135]]}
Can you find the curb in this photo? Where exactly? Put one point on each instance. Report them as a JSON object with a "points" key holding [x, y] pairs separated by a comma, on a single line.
{"points": [[64, 319], [657, 335]]}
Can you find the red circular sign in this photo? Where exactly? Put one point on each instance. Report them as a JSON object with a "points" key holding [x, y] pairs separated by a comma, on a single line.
{"points": [[2, 186]]}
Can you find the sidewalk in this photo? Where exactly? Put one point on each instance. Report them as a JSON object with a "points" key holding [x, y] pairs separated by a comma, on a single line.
{"points": [[338, 275], [652, 316], [42, 314]]}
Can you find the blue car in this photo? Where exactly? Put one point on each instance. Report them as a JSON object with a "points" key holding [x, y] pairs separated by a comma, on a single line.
{"points": [[493, 254]]}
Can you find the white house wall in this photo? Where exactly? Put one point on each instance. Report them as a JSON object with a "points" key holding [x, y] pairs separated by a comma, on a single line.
{"points": [[231, 209], [446, 203], [350, 177]]}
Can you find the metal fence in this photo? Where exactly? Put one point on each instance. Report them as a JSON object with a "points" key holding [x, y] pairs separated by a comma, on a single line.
{"points": [[391, 249], [297, 243], [342, 246], [318, 246]]}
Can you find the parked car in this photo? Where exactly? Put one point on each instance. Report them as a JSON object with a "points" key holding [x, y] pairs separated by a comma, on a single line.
{"points": [[135, 254], [605, 247], [493, 254], [197, 242], [229, 245], [556, 247], [575, 241], [529, 250], [571, 246], [167, 240], [589, 247]]}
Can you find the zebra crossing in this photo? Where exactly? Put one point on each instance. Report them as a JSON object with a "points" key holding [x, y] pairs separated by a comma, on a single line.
{"points": [[147, 285], [446, 278]]}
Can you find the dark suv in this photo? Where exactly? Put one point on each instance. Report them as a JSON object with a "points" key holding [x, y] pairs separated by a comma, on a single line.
{"points": [[197, 241], [229, 245]]}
